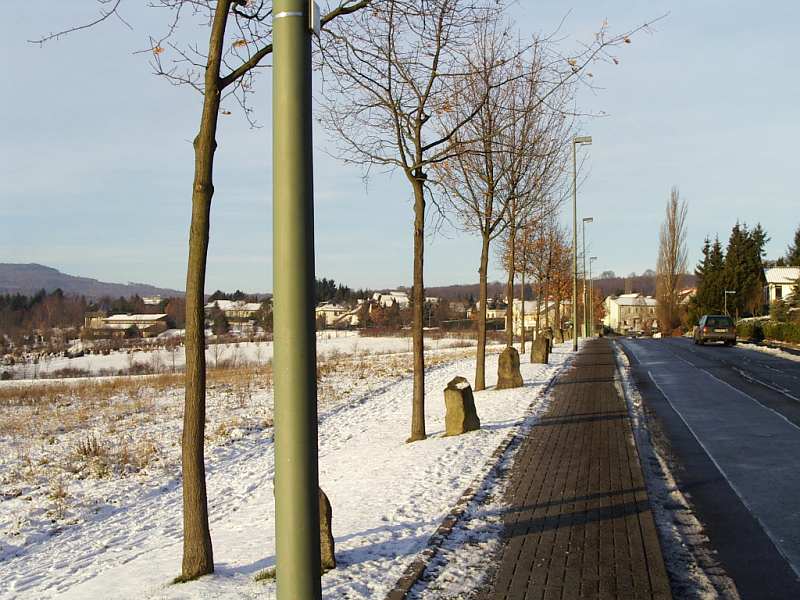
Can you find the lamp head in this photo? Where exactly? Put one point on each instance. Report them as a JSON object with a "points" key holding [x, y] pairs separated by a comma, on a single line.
{"points": [[588, 219], [582, 139]]}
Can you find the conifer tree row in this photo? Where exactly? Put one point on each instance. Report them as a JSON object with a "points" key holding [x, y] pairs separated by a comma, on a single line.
{"points": [[739, 269]]}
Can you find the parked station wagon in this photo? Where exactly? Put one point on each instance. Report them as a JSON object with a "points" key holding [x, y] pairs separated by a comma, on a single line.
{"points": [[715, 328]]}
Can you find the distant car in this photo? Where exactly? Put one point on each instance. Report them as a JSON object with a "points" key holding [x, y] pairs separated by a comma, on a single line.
{"points": [[715, 328]]}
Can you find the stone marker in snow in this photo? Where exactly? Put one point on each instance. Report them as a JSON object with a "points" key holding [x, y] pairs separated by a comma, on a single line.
{"points": [[508, 375], [459, 403], [327, 554], [547, 333], [540, 350]]}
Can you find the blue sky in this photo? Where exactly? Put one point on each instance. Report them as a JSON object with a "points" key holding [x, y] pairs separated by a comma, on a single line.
{"points": [[96, 157]]}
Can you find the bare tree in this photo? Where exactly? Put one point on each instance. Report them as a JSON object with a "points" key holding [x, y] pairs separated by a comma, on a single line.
{"points": [[473, 181], [225, 70], [400, 65], [539, 140], [537, 254], [671, 261]]}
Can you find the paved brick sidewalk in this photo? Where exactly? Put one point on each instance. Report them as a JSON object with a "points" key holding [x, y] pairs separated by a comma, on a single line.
{"points": [[580, 525]]}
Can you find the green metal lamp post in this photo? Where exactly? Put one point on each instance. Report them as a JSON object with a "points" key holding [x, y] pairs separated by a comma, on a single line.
{"points": [[576, 141], [296, 476], [585, 300]]}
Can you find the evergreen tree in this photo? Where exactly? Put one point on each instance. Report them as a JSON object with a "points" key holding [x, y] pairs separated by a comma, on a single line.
{"points": [[219, 322], [710, 281], [793, 251], [744, 271], [779, 311], [757, 240]]}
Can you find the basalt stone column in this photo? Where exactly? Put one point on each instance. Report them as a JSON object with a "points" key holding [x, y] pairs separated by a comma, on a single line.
{"points": [[461, 415], [540, 350], [508, 375], [326, 545]]}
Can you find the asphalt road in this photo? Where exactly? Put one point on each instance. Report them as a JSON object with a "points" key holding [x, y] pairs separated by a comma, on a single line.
{"points": [[732, 418]]}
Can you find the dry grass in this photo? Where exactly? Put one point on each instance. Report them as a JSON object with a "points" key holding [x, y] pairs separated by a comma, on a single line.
{"points": [[56, 433], [106, 426], [89, 448]]}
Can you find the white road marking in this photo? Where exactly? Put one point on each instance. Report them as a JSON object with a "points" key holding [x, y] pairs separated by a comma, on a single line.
{"points": [[776, 388], [775, 539]]}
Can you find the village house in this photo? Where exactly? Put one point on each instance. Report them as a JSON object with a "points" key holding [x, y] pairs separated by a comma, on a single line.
{"points": [[388, 299], [328, 313], [494, 310], [547, 315], [630, 312], [780, 283], [99, 326], [685, 296], [235, 310]]}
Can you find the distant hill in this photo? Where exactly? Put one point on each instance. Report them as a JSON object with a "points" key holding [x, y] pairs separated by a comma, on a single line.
{"points": [[30, 278], [465, 290], [645, 284]]}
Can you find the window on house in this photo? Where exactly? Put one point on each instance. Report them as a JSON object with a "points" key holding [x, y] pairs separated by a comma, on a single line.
{"points": [[778, 292]]}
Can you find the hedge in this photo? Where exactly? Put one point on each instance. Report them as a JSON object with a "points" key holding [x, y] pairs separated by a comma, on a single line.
{"points": [[771, 330], [784, 332], [750, 330]]}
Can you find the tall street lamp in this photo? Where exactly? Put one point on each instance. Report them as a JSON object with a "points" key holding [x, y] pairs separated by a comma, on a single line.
{"points": [[591, 294], [585, 321], [726, 299], [294, 364], [576, 141]]}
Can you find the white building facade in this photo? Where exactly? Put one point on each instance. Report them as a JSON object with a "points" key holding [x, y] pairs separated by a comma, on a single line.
{"points": [[780, 283], [630, 312]]}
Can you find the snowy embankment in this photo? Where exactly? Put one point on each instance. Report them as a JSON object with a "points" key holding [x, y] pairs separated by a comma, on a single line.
{"points": [[770, 350], [387, 497], [329, 343]]}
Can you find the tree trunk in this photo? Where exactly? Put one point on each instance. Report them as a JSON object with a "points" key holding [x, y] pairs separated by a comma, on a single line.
{"points": [[522, 312], [546, 293], [198, 558], [480, 363], [557, 318], [418, 403], [512, 240]]}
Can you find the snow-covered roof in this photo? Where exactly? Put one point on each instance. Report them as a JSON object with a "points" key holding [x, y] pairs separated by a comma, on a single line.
{"points": [[634, 300], [227, 305], [134, 318], [330, 307], [782, 275], [221, 304]]}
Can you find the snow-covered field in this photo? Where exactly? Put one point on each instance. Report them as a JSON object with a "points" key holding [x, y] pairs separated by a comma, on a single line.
{"points": [[90, 499], [329, 343]]}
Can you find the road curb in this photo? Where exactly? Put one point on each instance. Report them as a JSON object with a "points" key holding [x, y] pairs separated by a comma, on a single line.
{"points": [[775, 345], [418, 566]]}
